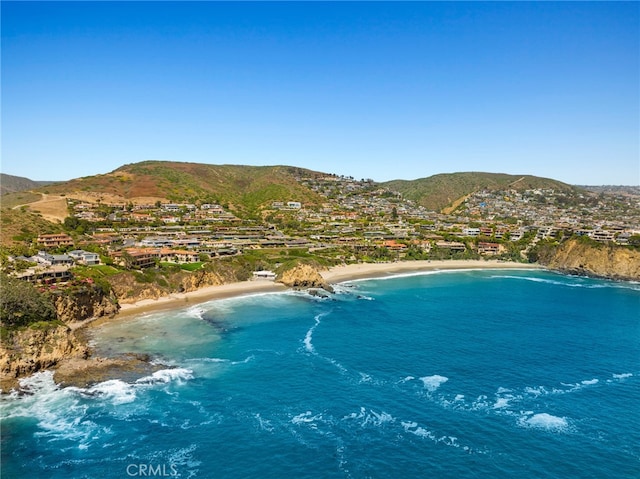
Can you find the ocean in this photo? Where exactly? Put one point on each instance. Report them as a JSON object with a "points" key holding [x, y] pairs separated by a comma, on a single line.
{"points": [[446, 374]]}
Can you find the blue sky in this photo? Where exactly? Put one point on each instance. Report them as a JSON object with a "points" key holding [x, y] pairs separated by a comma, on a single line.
{"points": [[370, 90]]}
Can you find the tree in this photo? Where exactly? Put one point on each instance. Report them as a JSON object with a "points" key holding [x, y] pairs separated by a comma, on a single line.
{"points": [[21, 303], [634, 240]]}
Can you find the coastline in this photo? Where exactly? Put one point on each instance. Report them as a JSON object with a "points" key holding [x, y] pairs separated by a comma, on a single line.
{"points": [[357, 271], [208, 293], [337, 274]]}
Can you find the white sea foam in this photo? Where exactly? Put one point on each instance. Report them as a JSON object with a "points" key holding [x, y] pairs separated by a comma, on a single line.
{"points": [[413, 428], [167, 375], [575, 282], [246, 360], [264, 424], [208, 360], [536, 391], [589, 382], [195, 312], [307, 419], [370, 417], [502, 402], [431, 383], [114, 390], [61, 413], [544, 421], [308, 338], [622, 376]]}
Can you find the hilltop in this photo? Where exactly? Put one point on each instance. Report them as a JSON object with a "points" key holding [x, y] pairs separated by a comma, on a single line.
{"points": [[446, 191], [244, 189]]}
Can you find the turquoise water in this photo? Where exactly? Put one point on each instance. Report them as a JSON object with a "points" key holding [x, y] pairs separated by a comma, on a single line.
{"points": [[466, 374]]}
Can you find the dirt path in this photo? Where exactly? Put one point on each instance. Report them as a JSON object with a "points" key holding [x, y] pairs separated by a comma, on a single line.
{"points": [[52, 208]]}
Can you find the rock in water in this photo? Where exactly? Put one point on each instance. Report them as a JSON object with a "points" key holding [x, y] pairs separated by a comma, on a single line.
{"points": [[304, 276]]}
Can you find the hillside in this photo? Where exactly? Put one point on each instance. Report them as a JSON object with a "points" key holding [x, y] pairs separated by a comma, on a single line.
{"points": [[592, 259], [18, 226], [14, 184], [245, 189], [439, 191]]}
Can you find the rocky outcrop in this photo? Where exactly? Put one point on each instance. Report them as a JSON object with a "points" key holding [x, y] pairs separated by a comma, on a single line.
{"points": [[128, 289], [39, 346], [606, 261], [84, 304], [303, 276], [83, 373], [200, 279]]}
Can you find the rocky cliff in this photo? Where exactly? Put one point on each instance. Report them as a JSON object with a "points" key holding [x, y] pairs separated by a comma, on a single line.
{"points": [[84, 304], [606, 261], [39, 346], [28, 348], [128, 287], [303, 276]]}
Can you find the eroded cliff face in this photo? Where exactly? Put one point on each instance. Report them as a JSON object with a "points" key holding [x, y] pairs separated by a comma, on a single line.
{"points": [[129, 290], [303, 276], [37, 347], [607, 261], [42, 345], [85, 304], [201, 279]]}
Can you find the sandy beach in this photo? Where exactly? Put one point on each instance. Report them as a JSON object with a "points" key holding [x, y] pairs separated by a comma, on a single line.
{"points": [[376, 270], [334, 275], [200, 296]]}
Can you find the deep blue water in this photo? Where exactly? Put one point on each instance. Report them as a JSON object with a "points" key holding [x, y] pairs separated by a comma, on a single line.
{"points": [[471, 374]]}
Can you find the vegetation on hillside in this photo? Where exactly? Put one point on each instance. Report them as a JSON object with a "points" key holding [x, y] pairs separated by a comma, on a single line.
{"points": [[439, 191], [21, 304], [12, 184], [242, 189], [19, 227]]}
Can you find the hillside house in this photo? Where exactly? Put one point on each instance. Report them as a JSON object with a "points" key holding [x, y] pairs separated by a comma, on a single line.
{"points": [[136, 258], [55, 240], [51, 274], [490, 249], [52, 259], [85, 257], [453, 246], [602, 235], [393, 245]]}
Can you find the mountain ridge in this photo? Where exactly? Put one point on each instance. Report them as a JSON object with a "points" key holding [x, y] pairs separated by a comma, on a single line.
{"points": [[247, 189]]}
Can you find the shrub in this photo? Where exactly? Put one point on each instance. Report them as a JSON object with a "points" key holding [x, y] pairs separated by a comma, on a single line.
{"points": [[22, 304]]}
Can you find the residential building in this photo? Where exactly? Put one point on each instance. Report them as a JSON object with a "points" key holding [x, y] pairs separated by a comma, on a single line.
{"points": [[55, 240]]}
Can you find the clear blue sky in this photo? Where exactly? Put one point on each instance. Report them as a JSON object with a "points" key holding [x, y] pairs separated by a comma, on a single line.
{"points": [[370, 90]]}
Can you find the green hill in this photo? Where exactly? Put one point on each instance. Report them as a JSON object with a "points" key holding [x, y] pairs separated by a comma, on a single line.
{"points": [[441, 191], [14, 184], [245, 189], [20, 227]]}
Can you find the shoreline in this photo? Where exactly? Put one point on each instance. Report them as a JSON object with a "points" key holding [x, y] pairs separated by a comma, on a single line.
{"points": [[336, 274], [202, 295], [359, 271]]}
